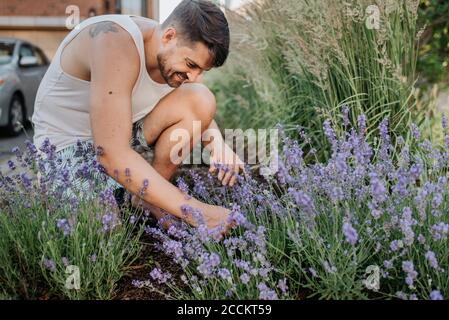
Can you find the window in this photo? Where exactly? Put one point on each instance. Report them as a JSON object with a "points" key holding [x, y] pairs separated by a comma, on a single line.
{"points": [[25, 51], [132, 7], [29, 51], [41, 58], [6, 52]]}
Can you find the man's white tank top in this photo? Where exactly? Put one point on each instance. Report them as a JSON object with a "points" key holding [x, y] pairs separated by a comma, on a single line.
{"points": [[61, 110]]}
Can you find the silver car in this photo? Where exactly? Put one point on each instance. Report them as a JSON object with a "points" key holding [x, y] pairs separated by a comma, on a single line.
{"points": [[22, 67]]}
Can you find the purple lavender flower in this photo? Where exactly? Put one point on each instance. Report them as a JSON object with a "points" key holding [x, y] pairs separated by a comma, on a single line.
{"points": [[388, 264], [415, 170], [25, 181], [436, 295], [350, 233], [437, 200], [182, 185], [406, 223], [65, 261], [174, 248], [107, 198], [329, 268], [237, 216], [49, 264], [109, 221], [432, 259], [224, 274], [282, 284], [415, 131], [383, 130], [439, 231], [209, 263], [244, 278], [421, 239], [313, 272], [199, 187], [329, 132], [11, 165], [266, 293], [263, 272], [64, 226], [194, 213], [378, 191], [444, 122], [409, 269], [160, 276], [303, 200], [376, 213], [395, 245], [361, 124], [293, 154], [32, 150]]}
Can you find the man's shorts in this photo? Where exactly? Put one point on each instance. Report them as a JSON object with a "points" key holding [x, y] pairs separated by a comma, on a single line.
{"points": [[81, 156]]}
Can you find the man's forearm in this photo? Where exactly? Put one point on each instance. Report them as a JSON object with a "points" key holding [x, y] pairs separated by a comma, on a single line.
{"points": [[159, 193]]}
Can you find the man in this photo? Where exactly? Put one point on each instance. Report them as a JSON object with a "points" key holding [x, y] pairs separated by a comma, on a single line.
{"points": [[119, 78]]}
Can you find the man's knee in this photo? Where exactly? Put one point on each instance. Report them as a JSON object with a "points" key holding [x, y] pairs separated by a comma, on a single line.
{"points": [[202, 101]]}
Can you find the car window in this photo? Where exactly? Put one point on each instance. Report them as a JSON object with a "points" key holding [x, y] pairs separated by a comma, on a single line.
{"points": [[26, 51], [41, 60], [6, 52]]}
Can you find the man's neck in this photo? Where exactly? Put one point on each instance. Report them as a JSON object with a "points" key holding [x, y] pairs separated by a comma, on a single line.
{"points": [[151, 34]]}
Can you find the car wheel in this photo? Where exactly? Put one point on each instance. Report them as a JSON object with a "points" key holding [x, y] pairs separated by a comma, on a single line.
{"points": [[16, 116]]}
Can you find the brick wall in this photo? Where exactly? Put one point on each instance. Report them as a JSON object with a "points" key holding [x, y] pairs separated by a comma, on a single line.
{"points": [[49, 38], [52, 7]]}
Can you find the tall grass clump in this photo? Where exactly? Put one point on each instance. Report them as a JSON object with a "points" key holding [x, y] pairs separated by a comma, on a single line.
{"points": [[44, 230], [299, 62]]}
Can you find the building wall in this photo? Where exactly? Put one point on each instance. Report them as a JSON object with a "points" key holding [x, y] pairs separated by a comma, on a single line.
{"points": [[45, 8], [48, 41], [42, 22]]}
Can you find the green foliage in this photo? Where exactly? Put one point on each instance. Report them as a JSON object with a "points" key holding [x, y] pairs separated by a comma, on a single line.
{"points": [[35, 252], [433, 63], [298, 62]]}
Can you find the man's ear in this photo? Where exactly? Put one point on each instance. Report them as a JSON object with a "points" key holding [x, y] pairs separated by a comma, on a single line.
{"points": [[169, 35]]}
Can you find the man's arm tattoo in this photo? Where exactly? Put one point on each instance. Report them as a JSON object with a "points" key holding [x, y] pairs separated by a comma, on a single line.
{"points": [[102, 27]]}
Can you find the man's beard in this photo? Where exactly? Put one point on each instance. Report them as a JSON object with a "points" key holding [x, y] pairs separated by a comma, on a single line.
{"points": [[172, 78]]}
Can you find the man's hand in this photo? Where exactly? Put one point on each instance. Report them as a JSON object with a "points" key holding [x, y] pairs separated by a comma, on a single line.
{"points": [[229, 164]]}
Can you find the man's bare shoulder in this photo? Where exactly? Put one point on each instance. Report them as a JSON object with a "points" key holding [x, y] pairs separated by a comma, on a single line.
{"points": [[109, 38], [112, 53], [104, 27]]}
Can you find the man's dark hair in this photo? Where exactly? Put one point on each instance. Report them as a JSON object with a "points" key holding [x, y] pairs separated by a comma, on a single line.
{"points": [[202, 21]]}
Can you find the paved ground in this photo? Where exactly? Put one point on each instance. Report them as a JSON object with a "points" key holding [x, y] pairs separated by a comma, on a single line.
{"points": [[7, 143]]}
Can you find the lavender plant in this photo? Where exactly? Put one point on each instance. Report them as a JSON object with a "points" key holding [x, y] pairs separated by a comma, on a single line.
{"points": [[44, 228], [313, 230]]}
